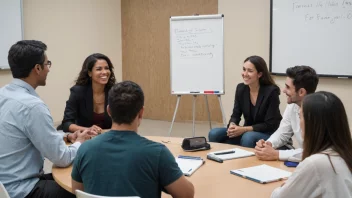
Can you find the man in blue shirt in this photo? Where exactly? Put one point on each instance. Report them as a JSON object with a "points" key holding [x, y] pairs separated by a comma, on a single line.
{"points": [[122, 163], [27, 134]]}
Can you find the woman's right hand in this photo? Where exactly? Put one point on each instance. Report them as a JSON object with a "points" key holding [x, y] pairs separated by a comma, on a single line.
{"points": [[96, 129], [231, 129]]}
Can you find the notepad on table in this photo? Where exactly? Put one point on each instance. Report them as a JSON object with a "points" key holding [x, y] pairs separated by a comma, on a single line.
{"points": [[262, 174], [231, 153], [189, 164]]}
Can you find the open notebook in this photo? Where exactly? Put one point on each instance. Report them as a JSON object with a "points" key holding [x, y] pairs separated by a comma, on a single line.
{"points": [[231, 153], [189, 164], [262, 174]]}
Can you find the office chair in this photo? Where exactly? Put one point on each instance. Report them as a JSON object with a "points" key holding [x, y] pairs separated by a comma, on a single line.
{"points": [[3, 191], [81, 194]]}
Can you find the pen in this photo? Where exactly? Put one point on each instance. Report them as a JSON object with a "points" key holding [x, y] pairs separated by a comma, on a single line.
{"points": [[189, 157], [190, 170], [223, 153]]}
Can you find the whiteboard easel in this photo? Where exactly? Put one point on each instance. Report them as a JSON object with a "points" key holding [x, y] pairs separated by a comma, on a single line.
{"points": [[197, 59]]}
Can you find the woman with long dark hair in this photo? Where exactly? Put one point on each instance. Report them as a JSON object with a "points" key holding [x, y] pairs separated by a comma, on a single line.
{"points": [[327, 151], [86, 106], [257, 99]]}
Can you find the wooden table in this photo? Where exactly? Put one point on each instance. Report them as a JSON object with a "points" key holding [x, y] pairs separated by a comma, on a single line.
{"points": [[213, 179]]}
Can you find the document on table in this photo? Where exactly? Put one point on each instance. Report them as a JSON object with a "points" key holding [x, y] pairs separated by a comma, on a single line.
{"points": [[262, 174], [231, 153], [189, 164]]}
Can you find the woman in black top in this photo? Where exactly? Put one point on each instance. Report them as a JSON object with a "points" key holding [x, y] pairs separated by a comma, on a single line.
{"points": [[257, 99], [86, 107]]}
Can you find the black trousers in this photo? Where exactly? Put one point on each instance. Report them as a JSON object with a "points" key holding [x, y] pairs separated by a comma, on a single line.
{"points": [[46, 187]]}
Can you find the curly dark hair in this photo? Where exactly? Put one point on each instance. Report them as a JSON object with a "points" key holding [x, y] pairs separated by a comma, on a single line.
{"points": [[83, 77]]}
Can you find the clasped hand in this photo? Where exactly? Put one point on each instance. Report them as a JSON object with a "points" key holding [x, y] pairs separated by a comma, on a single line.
{"points": [[234, 130], [96, 129], [265, 151], [82, 135]]}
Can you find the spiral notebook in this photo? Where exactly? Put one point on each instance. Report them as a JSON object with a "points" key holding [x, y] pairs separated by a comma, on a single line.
{"points": [[189, 164], [262, 174]]}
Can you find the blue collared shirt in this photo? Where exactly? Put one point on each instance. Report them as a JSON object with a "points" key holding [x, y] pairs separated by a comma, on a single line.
{"points": [[27, 135]]}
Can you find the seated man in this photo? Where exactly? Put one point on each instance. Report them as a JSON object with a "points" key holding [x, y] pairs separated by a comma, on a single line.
{"points": [[300, 81], [122, 163], [27, 134]]}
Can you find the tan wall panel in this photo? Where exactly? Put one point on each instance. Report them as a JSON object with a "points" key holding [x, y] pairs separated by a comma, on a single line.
{"points": [[146, 55]]}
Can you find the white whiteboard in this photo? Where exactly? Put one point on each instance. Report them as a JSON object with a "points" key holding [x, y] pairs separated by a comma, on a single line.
{"points": [[197, 54], [11, 28], [317, 33]]}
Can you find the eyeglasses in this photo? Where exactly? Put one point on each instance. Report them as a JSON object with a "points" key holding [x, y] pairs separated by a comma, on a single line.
{"points": [[48, 64]]}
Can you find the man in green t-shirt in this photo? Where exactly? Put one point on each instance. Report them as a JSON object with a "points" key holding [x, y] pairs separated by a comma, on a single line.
{"points": [[122, 163]]}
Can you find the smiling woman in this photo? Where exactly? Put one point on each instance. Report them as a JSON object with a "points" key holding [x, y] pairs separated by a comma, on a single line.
{"points": [[257, 99], [86, 106]]}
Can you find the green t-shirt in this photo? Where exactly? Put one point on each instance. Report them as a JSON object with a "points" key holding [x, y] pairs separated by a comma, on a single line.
{"points": [[123, 163]]}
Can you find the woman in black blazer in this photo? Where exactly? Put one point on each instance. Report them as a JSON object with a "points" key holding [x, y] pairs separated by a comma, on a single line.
{"points": [[86, 106], [257, 99]]}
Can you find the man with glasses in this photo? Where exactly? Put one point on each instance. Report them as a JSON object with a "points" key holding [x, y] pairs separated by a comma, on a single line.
{"points": [[27, 134]]}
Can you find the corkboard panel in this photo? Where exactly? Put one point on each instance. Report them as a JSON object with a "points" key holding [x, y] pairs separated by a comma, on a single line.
{"points": [[146, 56]]}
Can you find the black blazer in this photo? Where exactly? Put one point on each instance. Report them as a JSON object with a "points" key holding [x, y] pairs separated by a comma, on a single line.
{"points": [[79, 108], [267, 116]]}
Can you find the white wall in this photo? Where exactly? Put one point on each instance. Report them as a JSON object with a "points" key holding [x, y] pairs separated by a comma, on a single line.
{"points": [[72, 30], [247, 32]]}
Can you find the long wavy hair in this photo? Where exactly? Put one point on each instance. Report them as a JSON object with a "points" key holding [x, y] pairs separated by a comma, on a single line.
{"points": [[83, 77], [326, 126]]}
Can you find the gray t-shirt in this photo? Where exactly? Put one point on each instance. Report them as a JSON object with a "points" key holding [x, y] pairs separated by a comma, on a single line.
{"points": [[123, 163]]}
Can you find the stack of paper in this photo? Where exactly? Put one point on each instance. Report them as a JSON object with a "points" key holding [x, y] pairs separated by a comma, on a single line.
{"points": [[189, 164], [231, 153], [262, 173]]}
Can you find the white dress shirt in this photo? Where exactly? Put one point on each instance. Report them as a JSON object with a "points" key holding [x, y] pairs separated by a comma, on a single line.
{"points": [[315, 177], [289, 126]]}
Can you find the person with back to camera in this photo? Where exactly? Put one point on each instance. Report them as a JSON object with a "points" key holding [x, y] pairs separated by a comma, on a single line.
{"points": [[327, 151], [121, 162], [86, 106], [257, 99]]}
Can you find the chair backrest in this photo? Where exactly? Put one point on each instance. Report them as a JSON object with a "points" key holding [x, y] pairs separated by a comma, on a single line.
{"points": [[3, 192], [81, 194]]}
